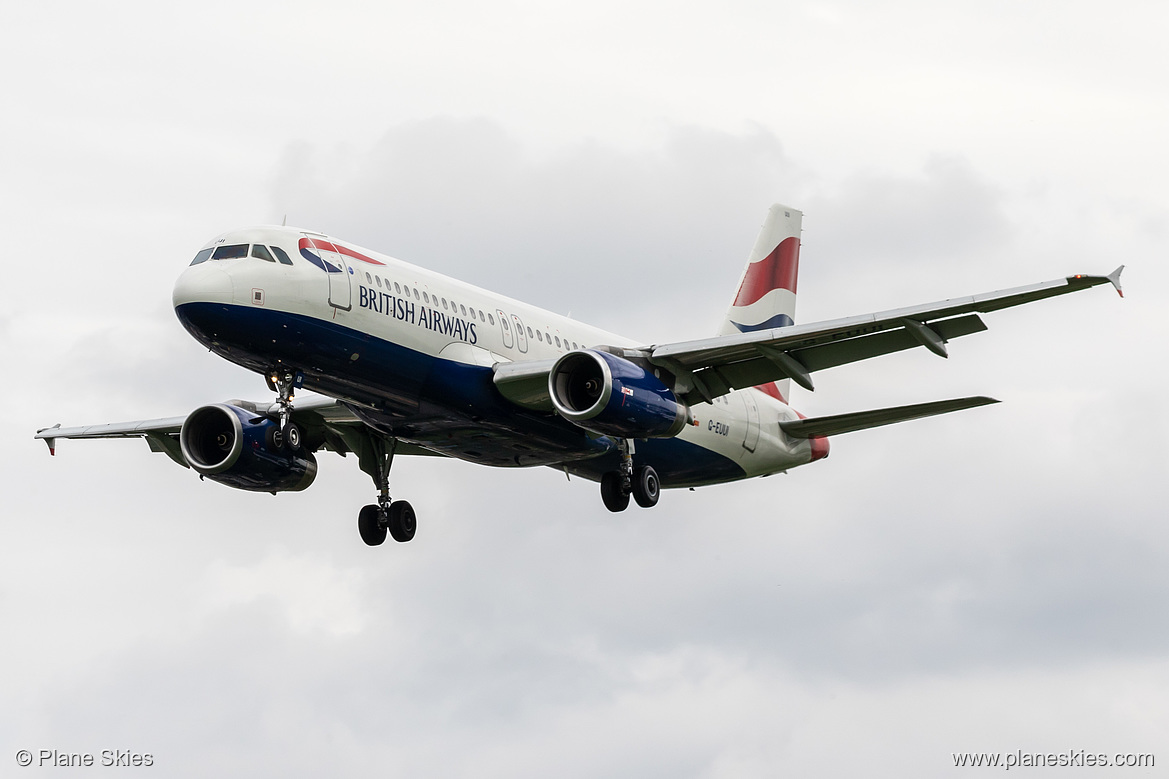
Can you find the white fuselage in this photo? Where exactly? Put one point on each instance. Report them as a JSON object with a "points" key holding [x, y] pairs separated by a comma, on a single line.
{"points": [[372, 303]]}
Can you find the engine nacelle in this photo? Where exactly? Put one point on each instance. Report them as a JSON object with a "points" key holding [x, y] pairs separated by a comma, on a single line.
{"points": [[233, 446], [613, 396]]}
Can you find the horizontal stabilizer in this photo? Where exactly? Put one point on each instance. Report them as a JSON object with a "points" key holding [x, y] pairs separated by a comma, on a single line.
{"points": [[859, 420]]}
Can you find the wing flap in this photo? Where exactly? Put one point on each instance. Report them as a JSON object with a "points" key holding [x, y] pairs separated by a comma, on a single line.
{"points": [[817, 358], [838, 424], [763, 368]]}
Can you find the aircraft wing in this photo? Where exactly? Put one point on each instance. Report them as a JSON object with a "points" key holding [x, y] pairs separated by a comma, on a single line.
{"points": [[161, 434], [329, 419], [707, 368]]}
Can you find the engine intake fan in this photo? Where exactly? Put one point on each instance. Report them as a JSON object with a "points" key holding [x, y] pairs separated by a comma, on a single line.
{"points": [[233, 446], [610, 395]]}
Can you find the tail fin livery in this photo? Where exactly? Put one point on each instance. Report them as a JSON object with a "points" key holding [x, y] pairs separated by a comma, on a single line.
{"points": [[767, 290], [766, 296]]}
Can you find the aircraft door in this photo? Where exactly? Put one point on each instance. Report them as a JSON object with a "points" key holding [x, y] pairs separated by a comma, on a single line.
{"points": [[336, 267], [751, 438], [340, 287], [520, 337], [505, 329]]}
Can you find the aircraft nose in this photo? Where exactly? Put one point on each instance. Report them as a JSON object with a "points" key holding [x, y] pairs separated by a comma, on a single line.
{"points": [[203, 283]]}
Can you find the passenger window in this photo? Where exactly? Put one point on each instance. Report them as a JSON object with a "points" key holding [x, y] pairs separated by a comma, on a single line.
{"points": [[539, 336], [529, 332], [232, 252], [202, 256], [397, 288], [378, 279], [464, 310], [558, 340], [416, 295], [260, 252], [491, 320], [280, 255], [425, 299], [368, 278], [505, 324], [481, 319], [444, 302]]}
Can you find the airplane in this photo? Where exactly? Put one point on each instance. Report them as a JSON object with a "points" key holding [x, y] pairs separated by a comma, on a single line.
{"points": [[406, 361]]}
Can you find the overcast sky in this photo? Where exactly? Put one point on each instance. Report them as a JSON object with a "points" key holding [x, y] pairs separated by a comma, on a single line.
{"points": [[993, 580]]}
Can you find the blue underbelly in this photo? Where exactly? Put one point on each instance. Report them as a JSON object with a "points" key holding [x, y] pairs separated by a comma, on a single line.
{"points": [[449, 407]]}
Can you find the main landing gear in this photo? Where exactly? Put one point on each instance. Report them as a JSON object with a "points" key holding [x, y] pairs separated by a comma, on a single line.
{"points": [[375, 454], [375, 521], [394, 517], [642, 483]]}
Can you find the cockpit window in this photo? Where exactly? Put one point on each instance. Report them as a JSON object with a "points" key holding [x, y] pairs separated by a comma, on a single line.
{"points": [[202, 256], [261, 252], [232, 252], [281, 255]]}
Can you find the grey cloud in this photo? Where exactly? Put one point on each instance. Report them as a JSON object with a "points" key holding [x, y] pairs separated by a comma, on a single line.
{"points": [[875, 241], [611, 235], [627, 239], [949, 212], [503, 627]]}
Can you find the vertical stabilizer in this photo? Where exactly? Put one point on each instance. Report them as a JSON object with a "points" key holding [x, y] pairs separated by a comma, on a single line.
{"points": [[766, 296]]}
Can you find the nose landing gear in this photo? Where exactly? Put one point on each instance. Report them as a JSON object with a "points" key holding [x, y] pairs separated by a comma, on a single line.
{"points": [[283, 381]]}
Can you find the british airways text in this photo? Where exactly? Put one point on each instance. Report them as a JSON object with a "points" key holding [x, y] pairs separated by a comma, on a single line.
{"points": [[407, 311]]}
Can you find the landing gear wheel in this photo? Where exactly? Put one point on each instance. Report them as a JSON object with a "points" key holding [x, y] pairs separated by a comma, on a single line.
{"points": [[646, 487], [403, 523], [290, 436], [369, 524], [613, 492]]}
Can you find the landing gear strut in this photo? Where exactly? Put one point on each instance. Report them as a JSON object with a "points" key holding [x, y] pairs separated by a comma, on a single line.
{"points": [[641, 482], [284, 381], [396, 517]]}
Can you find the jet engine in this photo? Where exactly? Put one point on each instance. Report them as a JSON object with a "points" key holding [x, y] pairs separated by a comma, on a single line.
{"points": [[610, 395], [234, 446]]}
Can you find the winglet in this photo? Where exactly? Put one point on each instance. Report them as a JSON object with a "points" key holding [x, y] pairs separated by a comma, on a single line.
{"points": [[1114, 277], [52, 442]]}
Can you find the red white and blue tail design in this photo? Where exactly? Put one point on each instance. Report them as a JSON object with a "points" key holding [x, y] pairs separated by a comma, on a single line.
{"points": [[767, 290], [766, 296]]}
